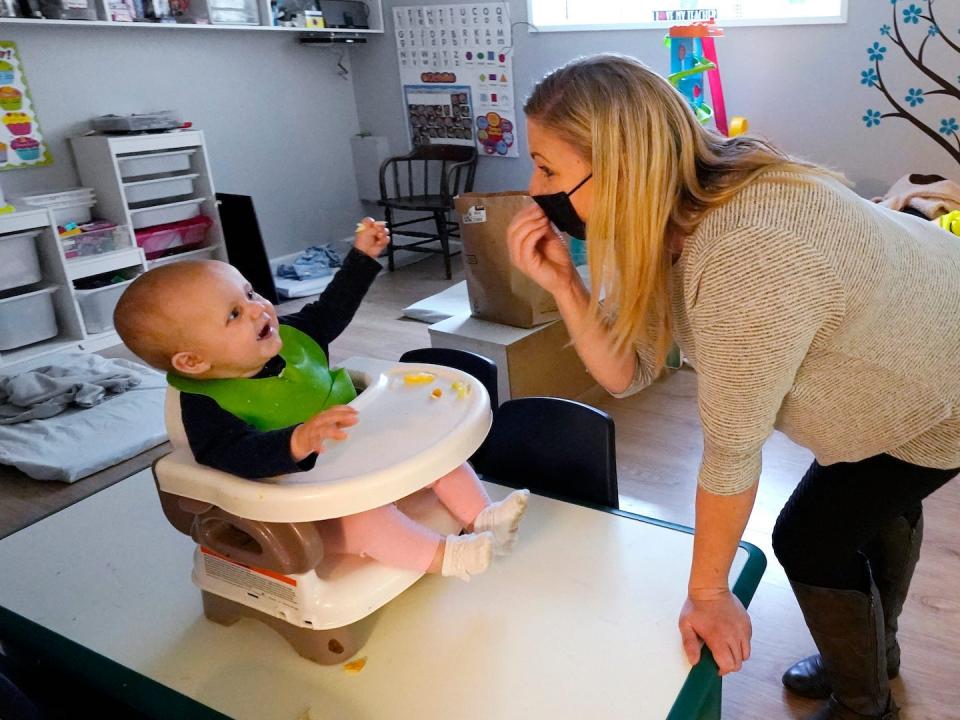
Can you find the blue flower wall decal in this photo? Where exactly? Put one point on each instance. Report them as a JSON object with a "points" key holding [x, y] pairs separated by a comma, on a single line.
{"points": [[875, 52], [911, 14], [914, 97], [949, 126]]}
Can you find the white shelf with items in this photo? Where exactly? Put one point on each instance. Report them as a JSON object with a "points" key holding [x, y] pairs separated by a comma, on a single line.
{"points": [[145, 181], [221, 15], [39, 311]]}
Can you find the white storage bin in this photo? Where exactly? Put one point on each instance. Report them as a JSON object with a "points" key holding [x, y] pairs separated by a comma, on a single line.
{"points": [[19, 263], [67, 205], [28, 318], [154, 163], [159, 188], [163, 214], [78, 214], [62, 197], [97, 306]]}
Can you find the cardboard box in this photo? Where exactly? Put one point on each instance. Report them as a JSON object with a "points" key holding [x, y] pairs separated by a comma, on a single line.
{"points": [[530, 361]]}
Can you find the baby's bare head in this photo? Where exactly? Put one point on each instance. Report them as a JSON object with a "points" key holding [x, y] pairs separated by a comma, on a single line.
{"points": [[154, 315]]}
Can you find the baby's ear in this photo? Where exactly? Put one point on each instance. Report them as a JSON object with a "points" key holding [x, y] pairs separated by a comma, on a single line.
{"points": [[189, 363]]}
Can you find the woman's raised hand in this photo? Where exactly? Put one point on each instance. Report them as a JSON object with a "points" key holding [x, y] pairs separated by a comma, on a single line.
{"points": [[538, 251]]}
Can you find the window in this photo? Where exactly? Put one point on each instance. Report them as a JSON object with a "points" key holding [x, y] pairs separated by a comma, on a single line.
{"points": [[620, 15]]}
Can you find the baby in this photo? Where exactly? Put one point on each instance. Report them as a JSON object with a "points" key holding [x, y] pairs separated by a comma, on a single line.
{"points": [[258, 400]]}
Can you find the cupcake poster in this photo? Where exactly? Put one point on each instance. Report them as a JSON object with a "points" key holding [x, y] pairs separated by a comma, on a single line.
{"points": [[21, 143]]}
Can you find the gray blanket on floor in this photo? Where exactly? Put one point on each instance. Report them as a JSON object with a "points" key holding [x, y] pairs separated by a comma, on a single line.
{"points": [[81, 380]]}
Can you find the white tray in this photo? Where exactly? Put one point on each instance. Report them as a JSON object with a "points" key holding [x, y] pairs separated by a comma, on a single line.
{"points": [[405, 440]]}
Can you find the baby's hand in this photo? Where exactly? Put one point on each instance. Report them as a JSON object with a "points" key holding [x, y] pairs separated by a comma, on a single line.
{"points": [[372, 237], [309, 437]]}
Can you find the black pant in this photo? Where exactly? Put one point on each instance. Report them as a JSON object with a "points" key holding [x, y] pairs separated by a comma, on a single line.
{"points": [[838, 509]]}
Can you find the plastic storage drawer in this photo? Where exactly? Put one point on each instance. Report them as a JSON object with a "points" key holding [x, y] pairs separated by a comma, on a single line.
{"points": [[97, 306], [96, 242], [157, 241], [154, 163], [27, 318], [165, 214], [19, 263], [159, 188]]}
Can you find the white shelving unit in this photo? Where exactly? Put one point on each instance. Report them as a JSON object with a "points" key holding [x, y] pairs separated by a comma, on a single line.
{"points": [[375, 20], [166, 175], [59, 273]]}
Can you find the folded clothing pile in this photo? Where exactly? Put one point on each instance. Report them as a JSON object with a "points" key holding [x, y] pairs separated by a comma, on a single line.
{"points": [[314, 262], [79, 416]]}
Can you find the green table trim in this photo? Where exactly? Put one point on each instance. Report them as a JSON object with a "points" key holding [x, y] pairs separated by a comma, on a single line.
{"points": [[145, 695]]}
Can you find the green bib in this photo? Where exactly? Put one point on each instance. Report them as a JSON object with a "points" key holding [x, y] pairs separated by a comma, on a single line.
{"points": [[305, 387]]}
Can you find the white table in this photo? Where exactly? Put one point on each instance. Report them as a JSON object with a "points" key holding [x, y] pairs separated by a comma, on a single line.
{"points": [[580, 621]]}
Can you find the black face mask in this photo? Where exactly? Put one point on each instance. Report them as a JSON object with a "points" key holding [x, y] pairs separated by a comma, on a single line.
{"points": [[559, 210]]}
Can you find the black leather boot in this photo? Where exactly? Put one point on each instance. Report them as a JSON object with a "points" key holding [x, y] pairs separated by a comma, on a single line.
{"points": [[847, 627], [893, 556]]}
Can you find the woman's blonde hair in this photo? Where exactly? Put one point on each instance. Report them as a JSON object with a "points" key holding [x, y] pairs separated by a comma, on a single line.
{"points": [[656, 172]]}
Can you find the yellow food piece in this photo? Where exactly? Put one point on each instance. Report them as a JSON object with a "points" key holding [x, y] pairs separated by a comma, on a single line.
{"points": [[461, 389], [355, 666], [360, 226], [437, 392], [421, 378]]}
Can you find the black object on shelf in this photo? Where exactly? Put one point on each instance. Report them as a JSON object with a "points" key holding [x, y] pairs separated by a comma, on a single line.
{"points": [[245, 249], [344, 13], [318, 38]]}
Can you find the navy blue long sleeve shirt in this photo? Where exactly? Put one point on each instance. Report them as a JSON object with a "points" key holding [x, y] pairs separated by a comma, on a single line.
{"points": [[225, 442]]}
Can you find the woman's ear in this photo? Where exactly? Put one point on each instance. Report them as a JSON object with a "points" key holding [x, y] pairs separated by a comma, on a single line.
{"points": [[189, 363]]}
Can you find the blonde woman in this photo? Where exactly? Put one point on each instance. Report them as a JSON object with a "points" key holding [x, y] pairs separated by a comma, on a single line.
{"points": [[802, 307]]}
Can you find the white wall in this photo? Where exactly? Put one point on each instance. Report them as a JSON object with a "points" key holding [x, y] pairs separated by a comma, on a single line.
{"points": [[799, 86], [277, 116]]}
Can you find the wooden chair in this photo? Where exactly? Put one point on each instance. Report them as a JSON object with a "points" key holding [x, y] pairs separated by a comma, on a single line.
{"points": [[425, 180]]}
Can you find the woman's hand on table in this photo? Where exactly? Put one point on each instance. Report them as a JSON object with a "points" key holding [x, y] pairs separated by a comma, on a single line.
{"points": [[718, 618], [538, 251]]}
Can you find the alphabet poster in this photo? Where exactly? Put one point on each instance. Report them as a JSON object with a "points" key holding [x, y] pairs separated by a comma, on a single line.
{"points": [[457, 75], [21, 143]]}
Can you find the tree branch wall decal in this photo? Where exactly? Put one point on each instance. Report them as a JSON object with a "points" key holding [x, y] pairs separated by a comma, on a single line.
{"points": [[947, 133]]}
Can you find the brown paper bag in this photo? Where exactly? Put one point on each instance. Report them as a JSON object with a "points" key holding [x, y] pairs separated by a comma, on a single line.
{"points": [[498, 291]]}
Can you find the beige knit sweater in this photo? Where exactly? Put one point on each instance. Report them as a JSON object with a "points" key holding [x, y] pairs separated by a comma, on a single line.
{"points": [[806, 308]]}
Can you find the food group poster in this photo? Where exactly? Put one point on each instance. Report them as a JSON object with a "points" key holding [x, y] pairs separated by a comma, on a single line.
{"points": [[457, 75], [21, 143]]}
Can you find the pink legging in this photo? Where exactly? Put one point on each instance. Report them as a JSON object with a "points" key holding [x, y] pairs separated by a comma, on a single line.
{"points": [[389, 536]]}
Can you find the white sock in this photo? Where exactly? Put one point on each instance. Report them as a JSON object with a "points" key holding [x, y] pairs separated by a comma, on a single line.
{"points": [[466, 555], [503, 519]]}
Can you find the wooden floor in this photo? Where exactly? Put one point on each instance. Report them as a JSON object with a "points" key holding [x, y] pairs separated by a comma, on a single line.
{"points": [[659, 445]]}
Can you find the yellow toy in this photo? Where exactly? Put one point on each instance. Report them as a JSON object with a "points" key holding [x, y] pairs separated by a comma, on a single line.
{"points": [[950, 222]]}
